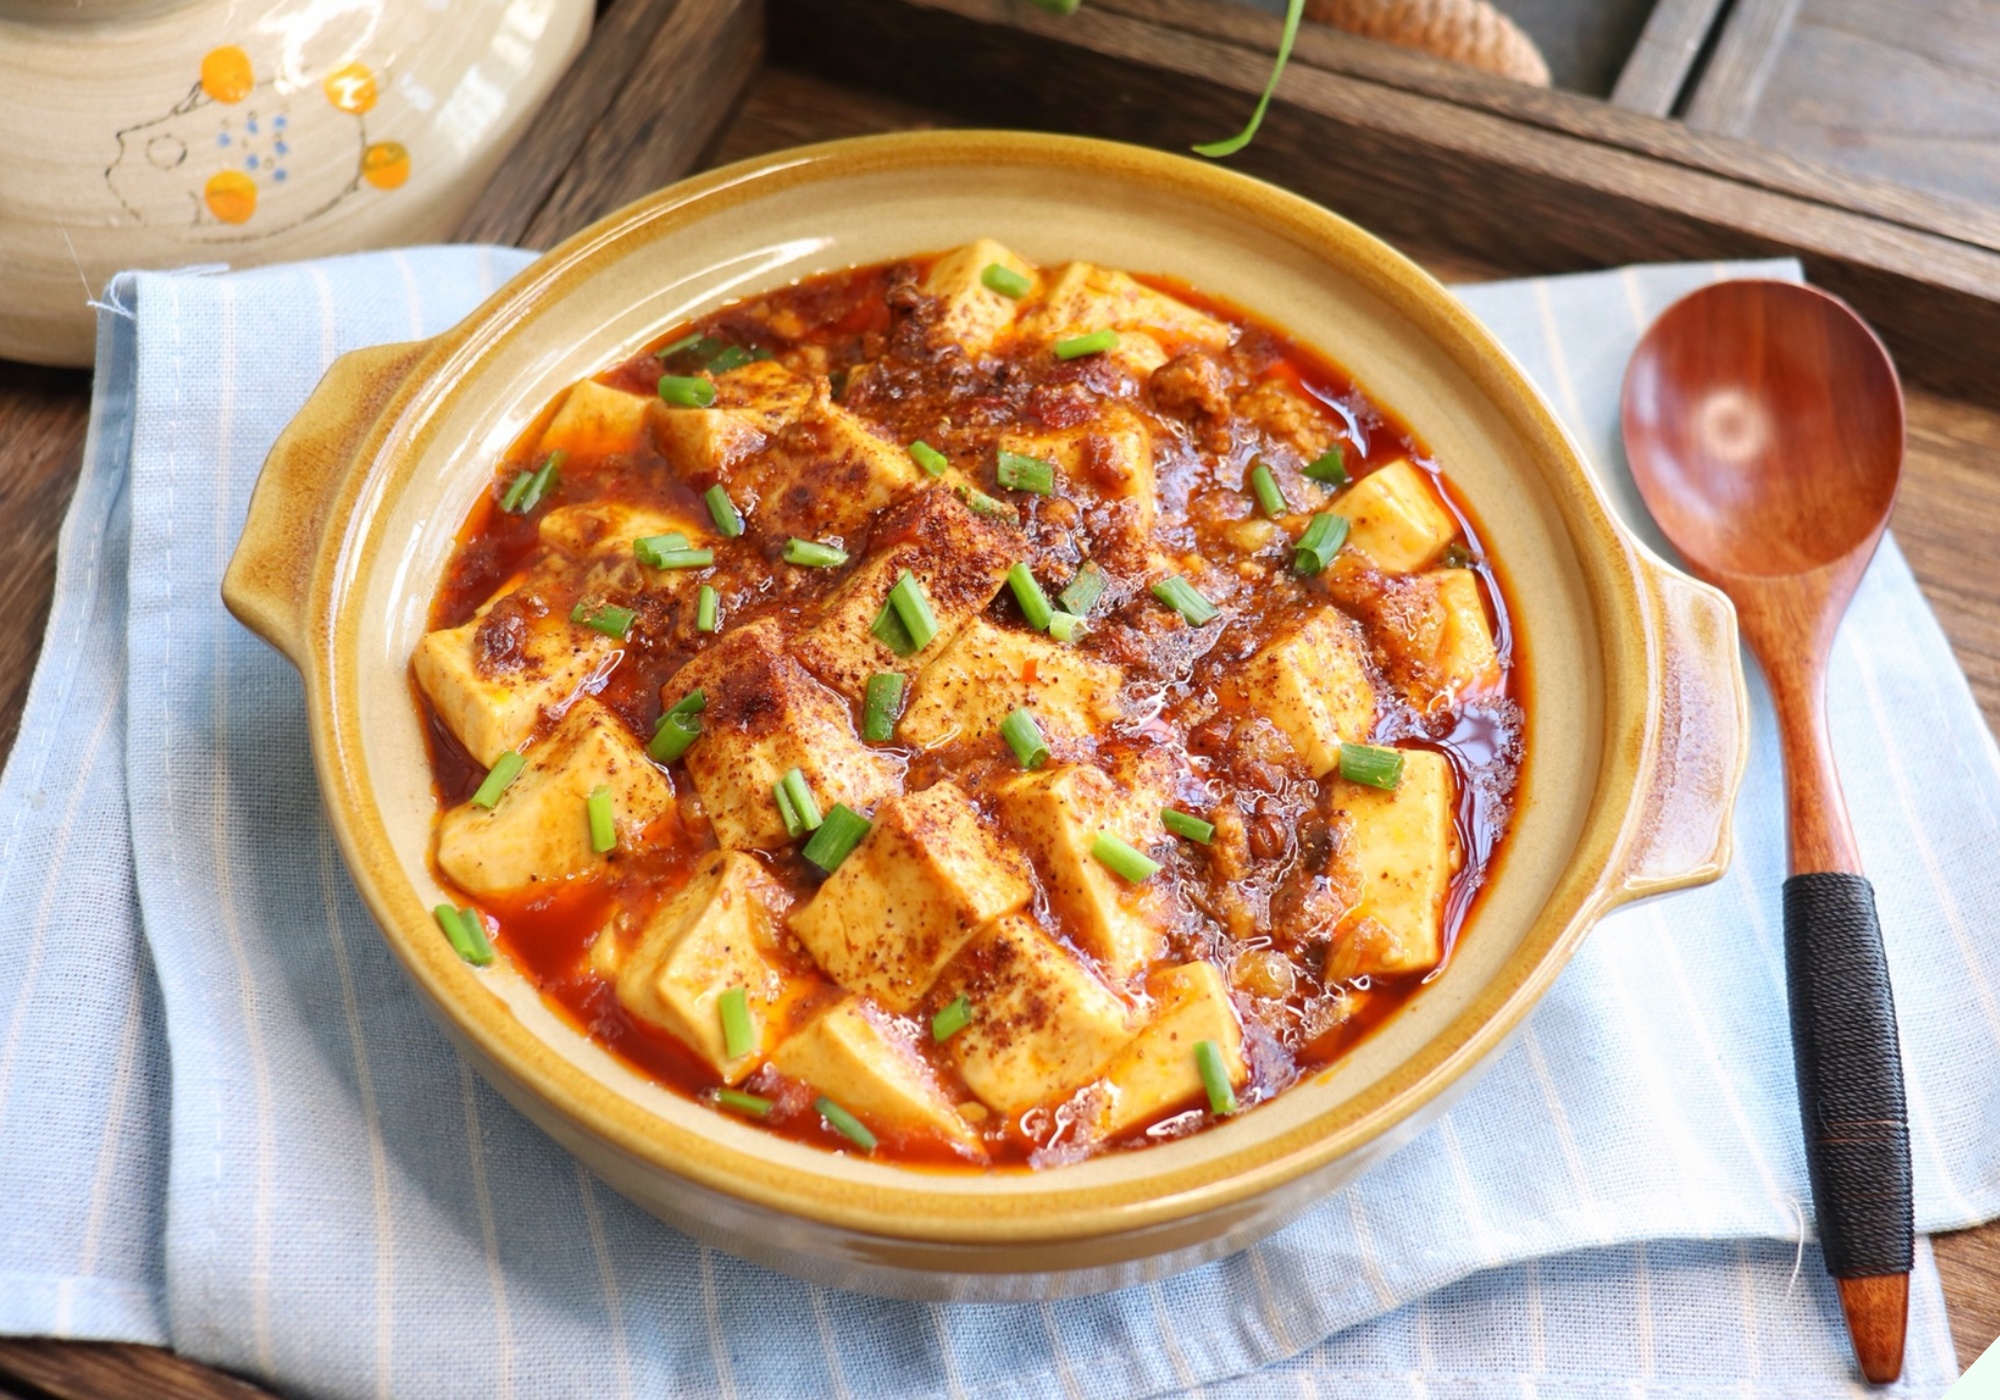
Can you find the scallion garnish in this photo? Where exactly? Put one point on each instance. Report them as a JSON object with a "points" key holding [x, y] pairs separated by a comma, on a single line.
{"points": [[1187, 824], [796, 804], [1265, 487], [731, 357], [913, 608], [997, 277], [744, 1103], [888, 629], [845, 1123], [739, 1037], [687, 391], [530, 489], [1322, 538], [1034, 603], [1019, 473], [882, 707], [1123, 859], [1180, 595], [1066, 627], [603, 831], [686, 342], [728, 520], [1084, 590], [1456, 556], [979, 503], [608, 618], [928, 457], [1214, 1078], [678, 728], [661, 552], [692, 703], [505, 769], [1230, 145], [1096, 343], [952, 1019], [510, 499], [1330, 467], [812, 554], [707, 604], [467, 932], [839, 833], [1024, 737], [1371, 765]]}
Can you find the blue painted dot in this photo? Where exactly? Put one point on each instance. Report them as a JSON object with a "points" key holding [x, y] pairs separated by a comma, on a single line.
{"points": [[251, 126], [281, 148], [222, 138], [279, 121], [250, 164], [277, 174]]}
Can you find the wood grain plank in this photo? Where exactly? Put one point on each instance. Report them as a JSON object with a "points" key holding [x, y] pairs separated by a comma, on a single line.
{"points": [[43, 413], [1660, 62], [1726, 98], [50, 1370], [1969, 1263]]}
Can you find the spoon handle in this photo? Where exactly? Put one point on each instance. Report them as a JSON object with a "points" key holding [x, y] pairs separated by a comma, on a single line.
{"points": [[1850, 1073]]}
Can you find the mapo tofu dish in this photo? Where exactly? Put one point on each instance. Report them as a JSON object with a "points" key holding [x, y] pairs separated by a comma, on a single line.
{"points": [[970, 713]]}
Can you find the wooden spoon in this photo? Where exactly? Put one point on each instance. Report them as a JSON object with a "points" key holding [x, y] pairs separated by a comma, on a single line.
{"points": [[1764, 424]]}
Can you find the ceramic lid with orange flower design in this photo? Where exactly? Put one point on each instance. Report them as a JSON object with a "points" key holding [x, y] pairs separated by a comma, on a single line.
{"points": [[241, 132]]}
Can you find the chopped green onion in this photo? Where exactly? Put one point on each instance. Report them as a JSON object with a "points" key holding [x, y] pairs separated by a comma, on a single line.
{"points": [[1322, 538], [1265, 487], [678, 728], [1330, 467], [1034, 603], [997, 277], [1024, 737], [1215, 1078], [706, 604], [795, 825], [952, 1019], [687, 391], [505, 769], [743, 1103], [1371, 765], [1059, 7], [1066, 627], [979, 503], [739, 1037], [517, 488], [1122, 859], [882, 707], [1456, 556], [722, 510], [845, 1123], [608, 618], [1180, 595], [888, 629], [467, 932], [760, 353], [732, 357], [1229, 146], [524, 495], [686, 342], [1187, 824], [929, 458], [814, 555], [1019, 473], [1096, 343], [659, 552], [795, 800], [1084, 590], [692, 703], [603, 834], [914, 609], [838, 835]]}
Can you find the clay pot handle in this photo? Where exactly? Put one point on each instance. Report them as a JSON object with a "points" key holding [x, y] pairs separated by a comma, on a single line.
{"points": [[269, 579], [1700, 731]]}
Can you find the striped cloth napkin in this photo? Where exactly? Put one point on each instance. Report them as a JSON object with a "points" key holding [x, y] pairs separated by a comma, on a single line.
{"points": [[226, 1123]]}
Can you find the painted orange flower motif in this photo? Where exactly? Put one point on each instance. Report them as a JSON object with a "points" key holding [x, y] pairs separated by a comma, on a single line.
{"points": [[231, 196], [385, 165], [226, 75], [351, 88]]}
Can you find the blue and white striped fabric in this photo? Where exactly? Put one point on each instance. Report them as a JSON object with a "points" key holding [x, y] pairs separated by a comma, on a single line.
{"points": [[226, 1123]]}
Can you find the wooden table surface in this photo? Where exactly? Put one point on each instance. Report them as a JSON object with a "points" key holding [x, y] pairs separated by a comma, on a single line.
{"points": [[1946, 519]]}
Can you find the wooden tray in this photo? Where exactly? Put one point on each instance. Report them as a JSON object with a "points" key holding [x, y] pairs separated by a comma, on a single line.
{"points": [[1475, 177]]}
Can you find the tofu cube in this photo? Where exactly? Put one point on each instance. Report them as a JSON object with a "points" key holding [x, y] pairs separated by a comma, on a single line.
{"points": [[1288, 418], [717, 933], [970, 314], [960, 559], [539, 832], [606, 529], [751, 404], [1113, 455], [1313, 683], [492, 678], [1466, 658], [767, 715], [902, 904], [855, 1056], [1156, 1073], [1152, 326], [1396, 520], [990, 670], [1041, 1026], [823, 477], [1404, 846], [597, 420], [1056, 815]]}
